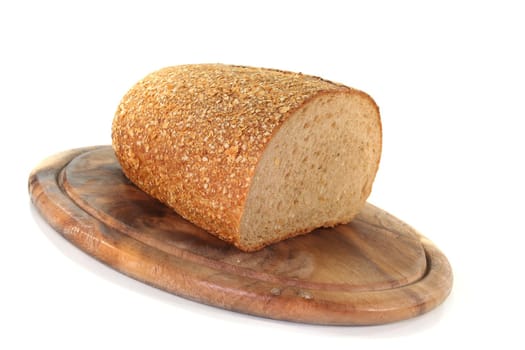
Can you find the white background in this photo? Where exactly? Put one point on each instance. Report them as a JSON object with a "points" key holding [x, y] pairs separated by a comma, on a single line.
{"points": [[448, 77]]}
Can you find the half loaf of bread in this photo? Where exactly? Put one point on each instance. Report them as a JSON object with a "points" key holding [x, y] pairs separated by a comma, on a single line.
{"points": [[252, 155]]}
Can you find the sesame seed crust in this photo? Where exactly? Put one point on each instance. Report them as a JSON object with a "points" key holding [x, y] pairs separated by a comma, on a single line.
{"points": [[191, 136]]}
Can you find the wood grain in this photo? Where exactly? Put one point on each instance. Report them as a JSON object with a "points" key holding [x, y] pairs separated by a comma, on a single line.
{"points": [[374, 270]]}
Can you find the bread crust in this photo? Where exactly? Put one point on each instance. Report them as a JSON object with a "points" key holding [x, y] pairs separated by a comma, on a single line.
{"points": [[191, 136]]}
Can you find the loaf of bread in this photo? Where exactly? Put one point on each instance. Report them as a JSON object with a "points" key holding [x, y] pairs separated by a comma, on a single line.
{"points": [[252, 155]]}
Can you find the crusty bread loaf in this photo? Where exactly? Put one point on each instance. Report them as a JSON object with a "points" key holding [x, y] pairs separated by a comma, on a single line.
{"points": [[252, 155]]}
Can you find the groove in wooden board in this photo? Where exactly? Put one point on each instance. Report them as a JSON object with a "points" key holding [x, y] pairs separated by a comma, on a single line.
{"points": [[373, 270]]}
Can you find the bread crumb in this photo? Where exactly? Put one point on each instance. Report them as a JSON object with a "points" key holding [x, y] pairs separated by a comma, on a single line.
{"points": [[276, 291], [305, 294]]}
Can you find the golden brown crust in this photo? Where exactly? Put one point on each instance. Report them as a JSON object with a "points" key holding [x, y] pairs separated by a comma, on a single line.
{"points": [[192, 135]]}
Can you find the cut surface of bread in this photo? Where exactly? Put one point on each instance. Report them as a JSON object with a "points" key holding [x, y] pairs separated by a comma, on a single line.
{"points": [[316, 171], [252, 155]]}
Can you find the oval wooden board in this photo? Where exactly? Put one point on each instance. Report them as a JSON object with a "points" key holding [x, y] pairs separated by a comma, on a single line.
{"points": [[374, 270]]}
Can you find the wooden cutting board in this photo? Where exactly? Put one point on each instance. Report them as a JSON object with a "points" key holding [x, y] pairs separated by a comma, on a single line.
{"points": [[374, 270]]}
